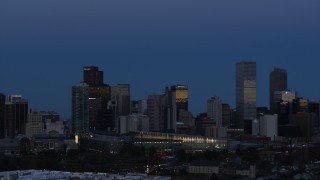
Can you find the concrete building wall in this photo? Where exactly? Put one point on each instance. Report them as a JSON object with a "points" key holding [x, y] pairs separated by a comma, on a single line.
{"points": [[214, 110], [34, 125], [269, 125]]}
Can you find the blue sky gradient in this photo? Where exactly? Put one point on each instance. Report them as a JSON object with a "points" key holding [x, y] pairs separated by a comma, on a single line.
{"points": [[152, 44]]}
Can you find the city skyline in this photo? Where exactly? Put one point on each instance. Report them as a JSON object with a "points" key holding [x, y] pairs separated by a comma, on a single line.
{"points": [[203, 104], [151, 45]]}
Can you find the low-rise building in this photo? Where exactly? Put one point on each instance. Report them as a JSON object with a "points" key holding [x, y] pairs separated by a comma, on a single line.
{"points": [[203, 167], [173, 140], [104, 142]]}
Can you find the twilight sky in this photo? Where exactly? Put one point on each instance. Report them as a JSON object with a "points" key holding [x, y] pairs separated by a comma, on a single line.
{"points": [[151, 44]]}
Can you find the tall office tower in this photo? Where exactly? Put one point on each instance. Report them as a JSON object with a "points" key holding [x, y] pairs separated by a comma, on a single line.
{"points": [[121, 94], [80, 108], [245, 92], [277, 82], [2, 105], [92, 76], [214, 110], [99, 115], [15, 116], [154, 113], [120, 103], [177, 99], [99, 96], [226, 115]]}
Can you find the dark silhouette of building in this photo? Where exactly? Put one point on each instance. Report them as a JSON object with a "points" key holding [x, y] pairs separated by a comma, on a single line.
{"points": [[2, 105], [305, 121], [92, 76], [100, 117], [314, 107], [262, 110], [156, 121], [15, 116], [277, 82], [134, 107], [201, 122], [226, 115], [283, 111]]}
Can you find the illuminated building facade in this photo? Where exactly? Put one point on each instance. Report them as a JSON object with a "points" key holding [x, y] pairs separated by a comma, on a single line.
{"points": [[300, 105], [284, 101], [245, 92], [176, 100], [172, 141], [277, 82]]}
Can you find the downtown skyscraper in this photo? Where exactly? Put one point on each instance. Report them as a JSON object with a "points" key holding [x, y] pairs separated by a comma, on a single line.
{"points": [[15, 116], [214, 110], [90, 102], [99, 96], [176, 100], [277, 82], [80, 108], [246, 94]]}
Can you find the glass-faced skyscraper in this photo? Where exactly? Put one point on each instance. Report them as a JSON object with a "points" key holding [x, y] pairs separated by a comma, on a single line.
{"points": [[277, 82], [245, 92], [177, 99], [80, 108]]}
